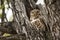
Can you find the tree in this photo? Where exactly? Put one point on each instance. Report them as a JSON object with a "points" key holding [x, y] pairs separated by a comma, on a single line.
{"points": [[21, 25]]}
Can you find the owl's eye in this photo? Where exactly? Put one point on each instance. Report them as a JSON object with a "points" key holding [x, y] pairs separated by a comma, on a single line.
{"points": [[32, 12], [37, 12]]}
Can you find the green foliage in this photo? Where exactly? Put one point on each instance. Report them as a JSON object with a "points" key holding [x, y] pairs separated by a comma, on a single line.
{"points": [[0, 15], [1, 6], [6, 34], [8, 0]]}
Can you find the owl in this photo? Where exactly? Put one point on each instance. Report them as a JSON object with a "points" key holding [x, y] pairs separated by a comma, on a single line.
{"points": [[35, 19]]}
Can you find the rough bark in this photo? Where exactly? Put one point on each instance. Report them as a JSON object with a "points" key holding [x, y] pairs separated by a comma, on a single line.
{"points": [[21, 24], [53, 18]]}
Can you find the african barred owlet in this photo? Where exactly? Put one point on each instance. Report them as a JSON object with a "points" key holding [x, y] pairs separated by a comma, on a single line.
{"points": [[35, 19]]}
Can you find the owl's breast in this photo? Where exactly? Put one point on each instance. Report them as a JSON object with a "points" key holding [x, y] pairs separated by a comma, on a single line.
{"points": [[37, 23]]}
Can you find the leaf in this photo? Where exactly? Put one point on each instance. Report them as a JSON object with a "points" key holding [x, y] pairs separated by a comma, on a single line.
{"points": [[6, 34]]}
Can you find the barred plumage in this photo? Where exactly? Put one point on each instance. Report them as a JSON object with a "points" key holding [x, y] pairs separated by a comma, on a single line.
{"points": [[35, 19]]}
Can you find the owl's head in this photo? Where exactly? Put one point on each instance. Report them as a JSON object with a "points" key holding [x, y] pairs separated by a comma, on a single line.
{"points": [[34, 14]]}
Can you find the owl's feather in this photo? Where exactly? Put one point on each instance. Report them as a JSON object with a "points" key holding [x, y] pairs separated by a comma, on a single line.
{"points": [[35, 19]]}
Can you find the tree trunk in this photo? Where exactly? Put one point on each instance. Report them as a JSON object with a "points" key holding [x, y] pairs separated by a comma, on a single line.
{"points": [[22, 25]]}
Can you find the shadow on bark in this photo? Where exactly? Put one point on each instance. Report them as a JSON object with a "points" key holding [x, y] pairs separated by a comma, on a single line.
{"points": [[21, 28]]}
